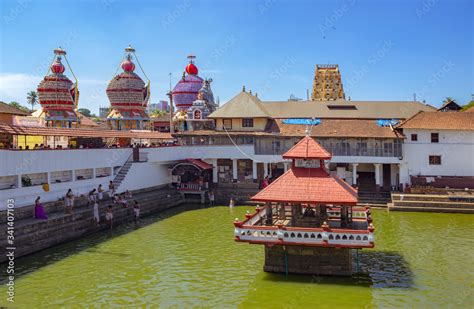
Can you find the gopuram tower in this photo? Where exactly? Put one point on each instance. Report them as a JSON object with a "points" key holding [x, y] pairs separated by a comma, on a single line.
{"points": [[327, 84]]}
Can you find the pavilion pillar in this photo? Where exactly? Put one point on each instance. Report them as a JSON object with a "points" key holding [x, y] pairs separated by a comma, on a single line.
{"points": [[215, 171], [265, 169], [354, 174], [378, 178], [254, 171], [234, 170]]}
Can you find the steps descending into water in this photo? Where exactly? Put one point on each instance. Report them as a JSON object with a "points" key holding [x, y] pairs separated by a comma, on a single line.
{"points": [[432, 203], [32, 235]]}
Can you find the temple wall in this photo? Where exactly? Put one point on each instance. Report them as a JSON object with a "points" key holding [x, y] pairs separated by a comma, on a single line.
{"points": [[309, 260]]}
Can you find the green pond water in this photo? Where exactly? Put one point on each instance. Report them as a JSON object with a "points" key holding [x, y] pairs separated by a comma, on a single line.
{"points": [[184, 259]]}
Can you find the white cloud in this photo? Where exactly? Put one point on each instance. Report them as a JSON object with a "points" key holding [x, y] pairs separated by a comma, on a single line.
{"points": [[15, 86]]}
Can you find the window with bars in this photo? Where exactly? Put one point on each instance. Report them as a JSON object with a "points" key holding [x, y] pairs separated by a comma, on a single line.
{"points": [[414, 137], [435, 160], [435, 137], [247, 123]]}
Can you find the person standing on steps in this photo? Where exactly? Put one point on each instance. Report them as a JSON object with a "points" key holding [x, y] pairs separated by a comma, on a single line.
{"points": [[39, 210], [92, 196], [111, 189], [211, 198], [96, 213], [109, 215], [136, 211], [69, 201], [100, 192]]}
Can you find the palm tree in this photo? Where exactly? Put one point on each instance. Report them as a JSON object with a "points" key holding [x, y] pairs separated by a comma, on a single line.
{"points": [[32, 99]]}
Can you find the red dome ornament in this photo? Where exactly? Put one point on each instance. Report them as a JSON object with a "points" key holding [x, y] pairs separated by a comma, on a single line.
{"points": [[57, 67], [191, 68], [128, 65]]}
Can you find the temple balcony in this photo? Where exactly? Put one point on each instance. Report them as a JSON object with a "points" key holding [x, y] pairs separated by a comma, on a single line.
{"points": [[353, 231]]}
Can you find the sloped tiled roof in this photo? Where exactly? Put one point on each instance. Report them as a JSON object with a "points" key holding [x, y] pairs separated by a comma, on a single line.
{"points": [[440, 121], [299, 185], [345, 109], [86, 121], [360, 128], [243, 105], [73, 132], [8, 109], [307, 148]]}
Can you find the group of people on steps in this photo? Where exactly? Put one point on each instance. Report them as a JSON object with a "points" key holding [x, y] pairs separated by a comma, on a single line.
{"points": [[94, 197]]}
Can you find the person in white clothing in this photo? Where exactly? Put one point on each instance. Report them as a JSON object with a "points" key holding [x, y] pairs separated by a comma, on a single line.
{"points": [[96, 213], [100, 192]]}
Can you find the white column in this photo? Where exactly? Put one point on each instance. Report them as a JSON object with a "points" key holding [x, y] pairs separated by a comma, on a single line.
{"points": [[234, 169], [377, 173], [215, 170], [254, 170], [93, 173], [354, 173], [393, 174], [285, 166], [265, 169]]}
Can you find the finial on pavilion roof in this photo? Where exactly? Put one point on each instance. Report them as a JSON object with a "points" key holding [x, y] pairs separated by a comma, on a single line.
{"points": [[243, 88]]}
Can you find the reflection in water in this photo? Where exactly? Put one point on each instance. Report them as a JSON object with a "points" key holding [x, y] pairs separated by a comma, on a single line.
{"points": [[189, 259], [386, 269]]}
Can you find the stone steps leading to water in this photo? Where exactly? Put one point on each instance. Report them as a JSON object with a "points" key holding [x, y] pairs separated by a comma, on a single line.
{"points": [[431, 209], [32, 235]]}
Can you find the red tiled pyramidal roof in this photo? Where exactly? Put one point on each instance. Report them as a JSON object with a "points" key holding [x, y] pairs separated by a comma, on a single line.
{"points": [[307, 148], [313, 185]]}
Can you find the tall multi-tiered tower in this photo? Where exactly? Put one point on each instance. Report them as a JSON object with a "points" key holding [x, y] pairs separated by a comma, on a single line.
{"points": [[58, 95], [128, 96], [327, 84]]}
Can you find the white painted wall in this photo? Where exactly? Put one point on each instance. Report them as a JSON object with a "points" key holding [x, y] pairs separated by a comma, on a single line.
{"points": [[144, 175], [37, 161], [455, 147]]}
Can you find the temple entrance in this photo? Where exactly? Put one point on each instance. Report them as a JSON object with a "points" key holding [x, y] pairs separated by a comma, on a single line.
{"points": [[191, 175]]}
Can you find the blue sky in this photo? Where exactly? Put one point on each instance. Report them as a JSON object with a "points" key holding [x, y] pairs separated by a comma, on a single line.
{"points": [[386, 50]]}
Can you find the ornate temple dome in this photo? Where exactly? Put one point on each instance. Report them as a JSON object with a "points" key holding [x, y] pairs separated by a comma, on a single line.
{"points": [[57, 94], [186, 90], [127, 92]]}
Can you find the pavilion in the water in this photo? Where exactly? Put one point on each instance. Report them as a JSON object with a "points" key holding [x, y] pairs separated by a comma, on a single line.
{"points": [[309, 223]]}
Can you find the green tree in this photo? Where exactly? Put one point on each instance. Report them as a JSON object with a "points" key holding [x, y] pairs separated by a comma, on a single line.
{"points": [[19, 106], [468, 106], [157, 113], [86, 112], [32, 98]]}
